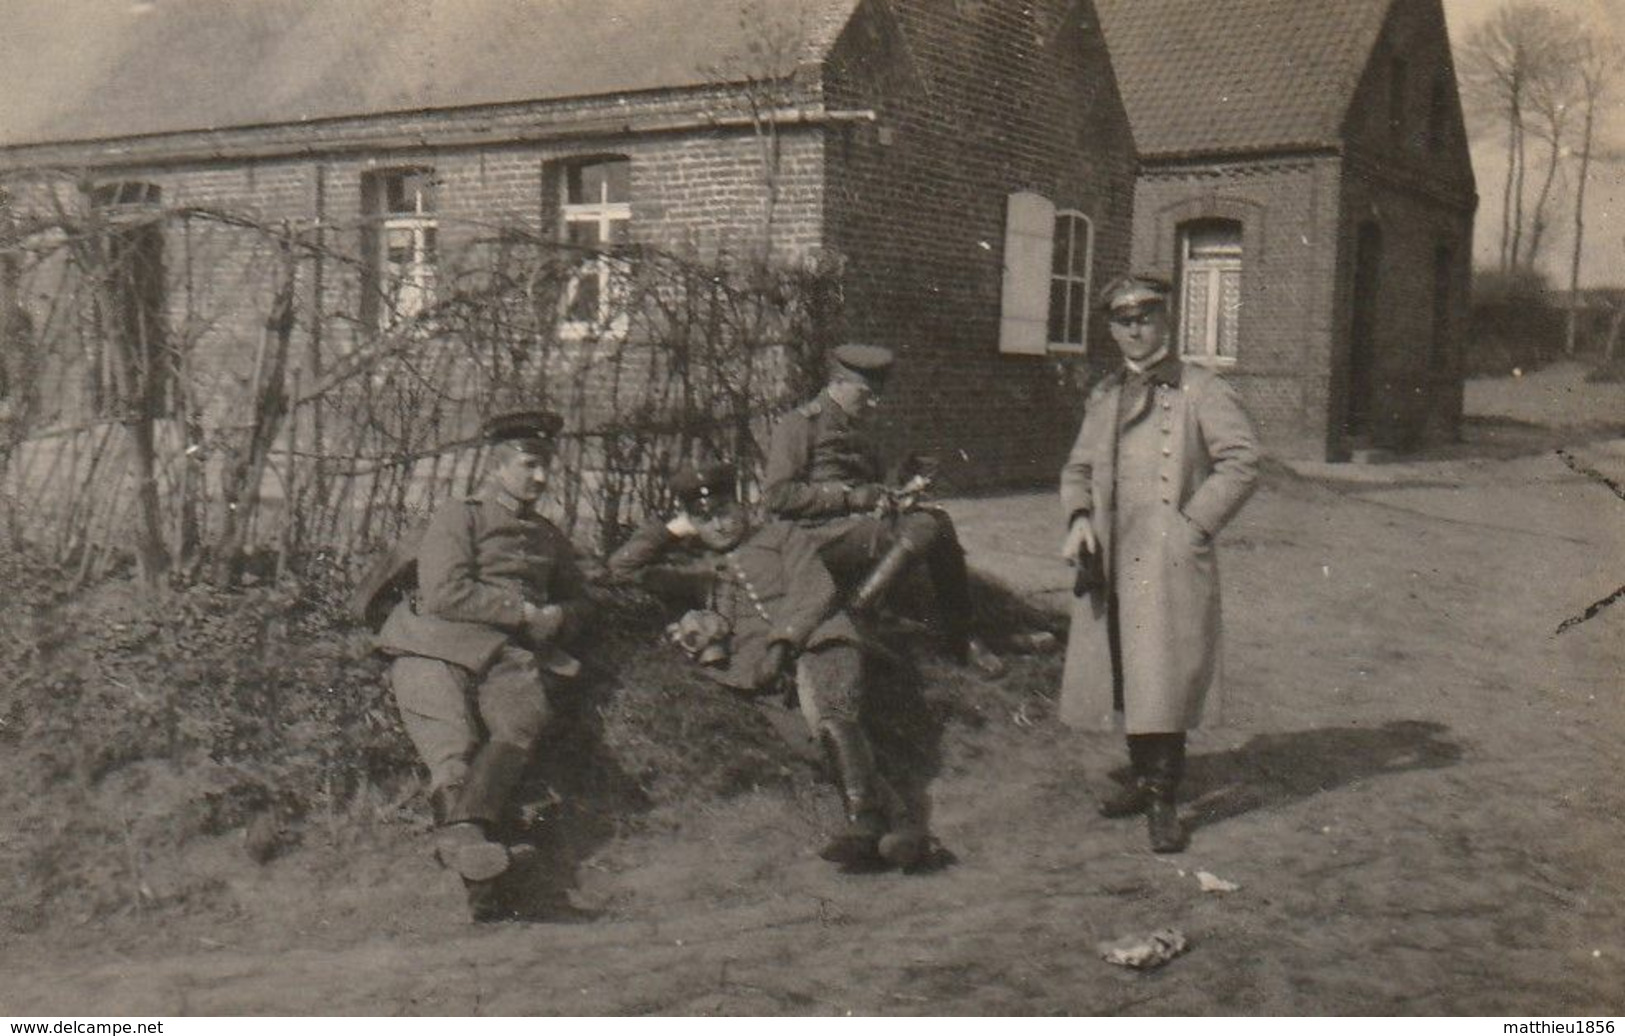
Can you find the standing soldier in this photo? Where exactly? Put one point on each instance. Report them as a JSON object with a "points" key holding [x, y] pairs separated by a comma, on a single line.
{"points": [[824, 474], [477, 650], [761, 602], [1165, 458]]}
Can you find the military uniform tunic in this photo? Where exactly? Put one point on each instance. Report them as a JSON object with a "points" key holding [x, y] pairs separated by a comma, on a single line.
{"points": [[772, 588], [463, 657]]}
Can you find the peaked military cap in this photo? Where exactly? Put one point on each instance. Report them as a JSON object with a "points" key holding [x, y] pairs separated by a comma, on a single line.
{"points": [[1135, 292], [691, 483], [524, 428], [871, 363]]}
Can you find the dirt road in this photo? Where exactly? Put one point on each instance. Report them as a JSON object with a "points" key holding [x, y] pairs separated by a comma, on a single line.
{"points": [[1419, 793]]}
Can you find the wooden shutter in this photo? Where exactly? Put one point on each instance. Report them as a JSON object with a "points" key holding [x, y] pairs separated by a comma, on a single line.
{"points": [[1029, 244]]}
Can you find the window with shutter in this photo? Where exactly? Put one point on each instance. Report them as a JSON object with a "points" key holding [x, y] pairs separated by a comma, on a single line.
{"points": [[1029, 240], [1073, 261]]}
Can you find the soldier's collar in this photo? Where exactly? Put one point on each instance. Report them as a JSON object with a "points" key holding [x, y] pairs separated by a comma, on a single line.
{"points": [[495, 494], [1169, 370]]}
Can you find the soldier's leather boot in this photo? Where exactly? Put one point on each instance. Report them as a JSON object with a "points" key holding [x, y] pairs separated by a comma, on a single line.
{"points": [[443, 800], [906, 843], [853, 764], [892, 564], [465, 844], [485, 901], [1164, 770], [1130, 799]]}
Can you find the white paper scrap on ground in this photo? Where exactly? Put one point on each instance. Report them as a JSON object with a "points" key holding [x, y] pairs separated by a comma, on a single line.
{"points": [[1144, 952], [1213, 883]]}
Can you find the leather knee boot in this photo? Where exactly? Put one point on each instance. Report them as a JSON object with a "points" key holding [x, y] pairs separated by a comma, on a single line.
{"points": [[1165, 767], [880, 578], [853, 764]]}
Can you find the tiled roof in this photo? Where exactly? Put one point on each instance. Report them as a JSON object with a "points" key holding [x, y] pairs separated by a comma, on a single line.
{"points": [[94, 69], [1211, 76]]}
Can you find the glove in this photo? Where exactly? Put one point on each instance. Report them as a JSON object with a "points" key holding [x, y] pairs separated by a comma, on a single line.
{"points": [[545, 624], [864, 498], [1080, 540]]}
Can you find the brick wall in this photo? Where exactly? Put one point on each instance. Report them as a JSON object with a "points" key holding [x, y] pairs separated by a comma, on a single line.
{"points": [[1301, 216], [1288, 211], [1409, 175], [699, 192], [976, 100]]}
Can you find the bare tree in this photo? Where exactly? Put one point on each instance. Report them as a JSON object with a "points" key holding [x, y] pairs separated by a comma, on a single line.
{"points": [[1596, 70], [1508, 63]]}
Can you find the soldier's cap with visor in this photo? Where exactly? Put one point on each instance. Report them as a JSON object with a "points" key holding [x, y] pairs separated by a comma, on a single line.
{"points": [[869, 364], [532, 431], [1134, 294], [703, 485]]}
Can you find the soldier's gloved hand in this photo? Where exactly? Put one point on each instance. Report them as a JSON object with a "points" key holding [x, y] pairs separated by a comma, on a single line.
{"points": [[545, 624], [682, 526], [1080, 540], [864, 498]]}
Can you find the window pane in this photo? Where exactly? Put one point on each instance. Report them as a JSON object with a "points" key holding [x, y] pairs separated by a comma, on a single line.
{"points": [[593, 183], [616, 231], [1057, 310], [395, 193], [584, 296], [618, 181], [582, 233], [1077, 310], [1230, 312], [1063, 248], [1080, 246], [1214, 240], [431, 244], [1196, 312]]}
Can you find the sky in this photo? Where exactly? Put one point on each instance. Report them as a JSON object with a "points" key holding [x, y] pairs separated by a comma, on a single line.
{"points": [[1603, 261]]}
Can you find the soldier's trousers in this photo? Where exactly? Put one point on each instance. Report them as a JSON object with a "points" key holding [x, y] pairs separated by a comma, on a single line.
{"points": [[852, 545], [829, 683], [449, 712]]}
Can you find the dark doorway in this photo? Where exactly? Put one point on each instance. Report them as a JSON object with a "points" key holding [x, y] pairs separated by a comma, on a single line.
{"points": [[1363, 332]]}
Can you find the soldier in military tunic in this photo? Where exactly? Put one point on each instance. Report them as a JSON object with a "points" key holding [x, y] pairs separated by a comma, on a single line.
{"points": [[480, 645], [824, 473], [761, 602]]}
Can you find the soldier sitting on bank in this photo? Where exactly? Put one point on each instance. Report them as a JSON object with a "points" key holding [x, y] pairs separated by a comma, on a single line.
{"points": [[477, 649], [761, 602], [824, 474]]}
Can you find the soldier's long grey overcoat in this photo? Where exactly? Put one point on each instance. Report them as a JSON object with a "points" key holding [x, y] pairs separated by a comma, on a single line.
{"points": [[1157, 484]]}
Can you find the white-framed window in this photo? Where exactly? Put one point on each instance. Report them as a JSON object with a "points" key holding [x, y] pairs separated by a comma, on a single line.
{"points": [[403, 204], [1048, 266], [1210, 290], [1072, 261], [596, 217]]}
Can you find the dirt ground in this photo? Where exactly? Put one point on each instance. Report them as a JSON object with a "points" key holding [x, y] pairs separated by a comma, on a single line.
{"points": [[1418, 791]]}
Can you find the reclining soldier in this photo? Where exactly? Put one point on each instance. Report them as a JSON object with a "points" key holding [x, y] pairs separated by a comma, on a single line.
{"points": [[824, 473], [478, 648], [762, 601]]}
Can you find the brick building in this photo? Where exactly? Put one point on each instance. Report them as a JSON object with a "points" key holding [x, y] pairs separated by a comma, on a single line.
{"points": [[938, 148], [1304, 177]]}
